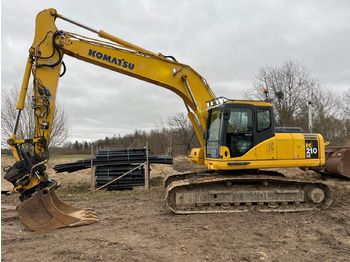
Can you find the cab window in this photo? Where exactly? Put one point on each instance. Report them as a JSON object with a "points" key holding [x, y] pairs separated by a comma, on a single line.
{"points": [[240, 120], [264, 119], [239, 136]]}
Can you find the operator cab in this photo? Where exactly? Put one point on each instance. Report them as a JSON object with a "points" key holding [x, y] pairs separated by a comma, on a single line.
{"points": [[238, 125]]}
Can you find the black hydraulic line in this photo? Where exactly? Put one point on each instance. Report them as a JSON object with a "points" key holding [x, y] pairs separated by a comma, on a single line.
{"points": [[170, 56], [64, 69], [55, 48]]}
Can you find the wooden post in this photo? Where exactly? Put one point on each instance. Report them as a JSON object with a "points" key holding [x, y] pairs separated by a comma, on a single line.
{"points": [[146, 167], [92, 185]]}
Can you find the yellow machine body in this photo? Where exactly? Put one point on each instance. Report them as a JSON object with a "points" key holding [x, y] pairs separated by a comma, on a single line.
{"points": [[282, 150]]}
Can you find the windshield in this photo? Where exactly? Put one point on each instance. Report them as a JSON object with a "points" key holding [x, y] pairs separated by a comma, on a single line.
{"points": [[213, 136], [214, 125]]}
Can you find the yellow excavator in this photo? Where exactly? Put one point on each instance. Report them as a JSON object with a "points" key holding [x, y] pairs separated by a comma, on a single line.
{"points": [[239, 141]]}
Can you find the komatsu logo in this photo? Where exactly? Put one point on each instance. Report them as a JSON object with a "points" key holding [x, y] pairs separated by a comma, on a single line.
{"points": [[113, 60]]}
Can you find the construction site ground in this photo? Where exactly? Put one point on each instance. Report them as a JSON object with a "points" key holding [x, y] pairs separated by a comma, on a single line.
{"points": [[136, 226]]}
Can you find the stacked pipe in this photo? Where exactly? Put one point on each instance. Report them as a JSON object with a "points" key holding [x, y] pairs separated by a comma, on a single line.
{"points": [[113, 163], [105, 174], [114, 155]]}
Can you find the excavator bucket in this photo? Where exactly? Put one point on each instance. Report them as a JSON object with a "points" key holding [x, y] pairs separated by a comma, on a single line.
{"points": [[45, 211], [338, 161]]}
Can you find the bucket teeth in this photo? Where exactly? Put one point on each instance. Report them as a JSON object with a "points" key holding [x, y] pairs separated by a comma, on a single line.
{"points": [[45, 211], [85, 221]]}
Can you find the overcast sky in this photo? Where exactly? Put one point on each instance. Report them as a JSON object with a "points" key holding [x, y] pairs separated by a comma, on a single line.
{"points": [[226, 41]]}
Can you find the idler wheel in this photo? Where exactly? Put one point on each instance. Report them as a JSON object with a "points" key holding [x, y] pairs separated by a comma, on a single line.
{"points": [[315, 195]]}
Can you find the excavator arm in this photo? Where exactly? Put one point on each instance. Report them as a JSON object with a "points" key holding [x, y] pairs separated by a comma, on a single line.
{"points": [[45, 64]]}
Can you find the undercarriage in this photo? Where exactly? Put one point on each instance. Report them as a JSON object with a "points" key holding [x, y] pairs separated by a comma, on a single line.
{"points": [[266, 191]]}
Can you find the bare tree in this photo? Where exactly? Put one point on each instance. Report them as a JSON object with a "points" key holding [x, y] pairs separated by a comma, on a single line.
{"points": [[183, 127], [291, 87], [60, 126], [347, 102], [165, 136]]}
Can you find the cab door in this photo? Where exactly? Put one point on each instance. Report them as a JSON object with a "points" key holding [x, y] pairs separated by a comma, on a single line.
{"points": [[245, 126], [239, 129]]}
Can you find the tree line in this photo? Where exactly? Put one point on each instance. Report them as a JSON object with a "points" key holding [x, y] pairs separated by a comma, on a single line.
{"points": [[292, 90], [175, 137]]}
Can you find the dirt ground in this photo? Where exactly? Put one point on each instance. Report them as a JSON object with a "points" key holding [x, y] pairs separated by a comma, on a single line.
{"points": [[137, 226]]}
